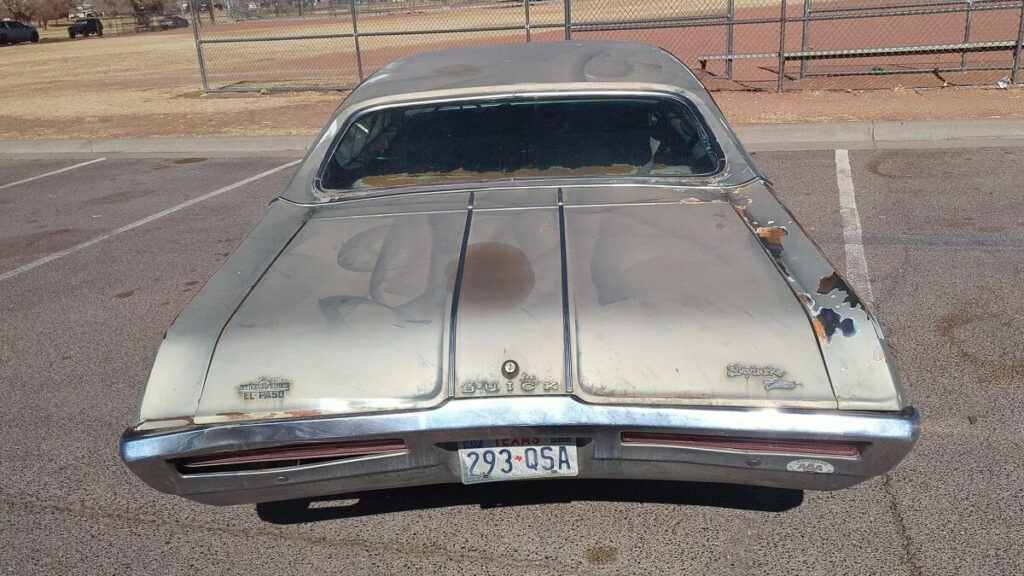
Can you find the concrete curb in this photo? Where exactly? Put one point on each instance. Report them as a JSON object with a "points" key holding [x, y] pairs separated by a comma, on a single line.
{"points": [[210, 146], [883, 134], [756, 137]]}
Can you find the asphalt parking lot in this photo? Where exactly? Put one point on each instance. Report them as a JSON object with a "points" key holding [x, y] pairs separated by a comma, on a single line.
{"points": [[943, 235]]}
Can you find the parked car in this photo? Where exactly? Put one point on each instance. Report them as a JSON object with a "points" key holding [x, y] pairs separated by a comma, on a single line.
{"points": [[169, 22], [542, 260], [12, 32], [86, 26]]}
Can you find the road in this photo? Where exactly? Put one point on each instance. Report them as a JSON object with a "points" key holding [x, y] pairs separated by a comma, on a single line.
{"points": [[96, 262]]}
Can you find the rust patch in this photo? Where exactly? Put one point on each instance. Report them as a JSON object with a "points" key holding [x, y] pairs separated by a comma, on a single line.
{"points": [[771, 237], [495, 275], [828, 283], [238, 416], [834, 282], [233, 416], [819, 329], [303, 413], [461, 174]]}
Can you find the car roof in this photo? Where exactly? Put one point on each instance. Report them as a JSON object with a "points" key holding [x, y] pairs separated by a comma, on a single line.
{"points": [[569, 62], [536, 67]]}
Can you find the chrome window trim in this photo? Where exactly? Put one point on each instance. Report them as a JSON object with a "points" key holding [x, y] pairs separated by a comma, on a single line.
{"points": [[470, 186], [326, 195]]}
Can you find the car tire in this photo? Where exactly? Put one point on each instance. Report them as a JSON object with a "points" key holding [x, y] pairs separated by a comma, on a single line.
{"points": [[34, 38], [3, 39], [99, 32], [71, 34]]}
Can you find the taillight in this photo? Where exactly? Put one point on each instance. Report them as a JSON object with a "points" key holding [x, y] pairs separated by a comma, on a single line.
{"points": [[293, 455], [744, 444]]}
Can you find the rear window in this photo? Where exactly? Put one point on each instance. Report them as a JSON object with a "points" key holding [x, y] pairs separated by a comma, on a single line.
{"points": [[474, 140]]}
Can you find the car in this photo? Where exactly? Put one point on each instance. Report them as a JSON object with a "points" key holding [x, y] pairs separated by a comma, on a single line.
{"points": [[12, 32], [534, 261], [86, 26], [169, 22]]}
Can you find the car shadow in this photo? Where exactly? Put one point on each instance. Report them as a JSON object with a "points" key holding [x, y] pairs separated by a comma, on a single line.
{"points": [[526, 494]]}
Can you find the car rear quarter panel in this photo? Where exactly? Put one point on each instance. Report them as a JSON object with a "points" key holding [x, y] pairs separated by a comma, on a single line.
{"points": [[179, 372], [859, 363]]}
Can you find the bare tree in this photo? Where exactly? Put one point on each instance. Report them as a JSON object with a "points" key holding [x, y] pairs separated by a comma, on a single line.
{"points": [[47, 10], [115, 7], [22, 10]]}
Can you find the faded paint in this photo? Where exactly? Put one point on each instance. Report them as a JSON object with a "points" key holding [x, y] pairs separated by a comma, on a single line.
{"points": [[349, 297]]}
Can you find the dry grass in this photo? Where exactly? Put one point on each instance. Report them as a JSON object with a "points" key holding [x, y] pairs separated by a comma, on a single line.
{"points": [[148, 84]]}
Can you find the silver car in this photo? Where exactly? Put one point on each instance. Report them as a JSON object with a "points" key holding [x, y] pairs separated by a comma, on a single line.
{"points": [[12, 32], [537, 261]]}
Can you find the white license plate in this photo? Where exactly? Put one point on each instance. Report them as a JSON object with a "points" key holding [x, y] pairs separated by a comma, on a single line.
{"points": [[517, 458]]}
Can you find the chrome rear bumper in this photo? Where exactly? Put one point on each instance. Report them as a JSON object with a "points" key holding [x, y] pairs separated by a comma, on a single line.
{"points": [[431, 438]]}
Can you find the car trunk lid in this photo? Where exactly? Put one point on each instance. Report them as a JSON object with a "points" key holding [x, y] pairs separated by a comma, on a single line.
{"points": [[637, 295]]}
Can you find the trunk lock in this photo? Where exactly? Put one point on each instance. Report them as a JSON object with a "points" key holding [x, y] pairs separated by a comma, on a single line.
{"points": [[509, 369]]}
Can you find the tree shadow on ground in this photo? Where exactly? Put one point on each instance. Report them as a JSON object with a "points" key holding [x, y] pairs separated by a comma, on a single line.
{"points": [[528, 494]]}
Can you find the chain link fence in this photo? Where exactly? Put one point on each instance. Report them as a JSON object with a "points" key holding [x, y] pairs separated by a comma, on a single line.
{"points": [[264, 45]]}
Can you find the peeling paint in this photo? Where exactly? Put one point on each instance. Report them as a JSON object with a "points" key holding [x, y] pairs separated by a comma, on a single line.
{"points": [[239, 416], [771, 237], [831, 322], [833, 282]]}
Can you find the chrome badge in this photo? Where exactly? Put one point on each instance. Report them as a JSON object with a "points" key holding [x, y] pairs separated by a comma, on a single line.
{"points": [[771, 377], [812, 466], [264, 389]]}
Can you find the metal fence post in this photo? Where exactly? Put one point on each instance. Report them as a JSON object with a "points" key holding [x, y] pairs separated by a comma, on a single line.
{"points": [[1015, 77], [967, 32], [568, 19], [805, 36], [731, 14], [355, 36], [782, 45], [199, 44], [526, 3]]}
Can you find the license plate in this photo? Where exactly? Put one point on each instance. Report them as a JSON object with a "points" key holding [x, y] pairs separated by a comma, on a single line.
{"points": [[517, 458]]}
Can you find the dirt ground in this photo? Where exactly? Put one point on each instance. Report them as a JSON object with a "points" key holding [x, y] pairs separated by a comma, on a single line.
{"points": [[149, 85]]}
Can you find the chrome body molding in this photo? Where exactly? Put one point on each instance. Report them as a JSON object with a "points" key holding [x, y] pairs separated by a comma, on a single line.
{"points": [[430, 437]]}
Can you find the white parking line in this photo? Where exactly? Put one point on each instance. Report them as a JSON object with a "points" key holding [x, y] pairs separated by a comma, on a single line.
{"points": [[856, 261], [51, 173], [137, 223]]}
